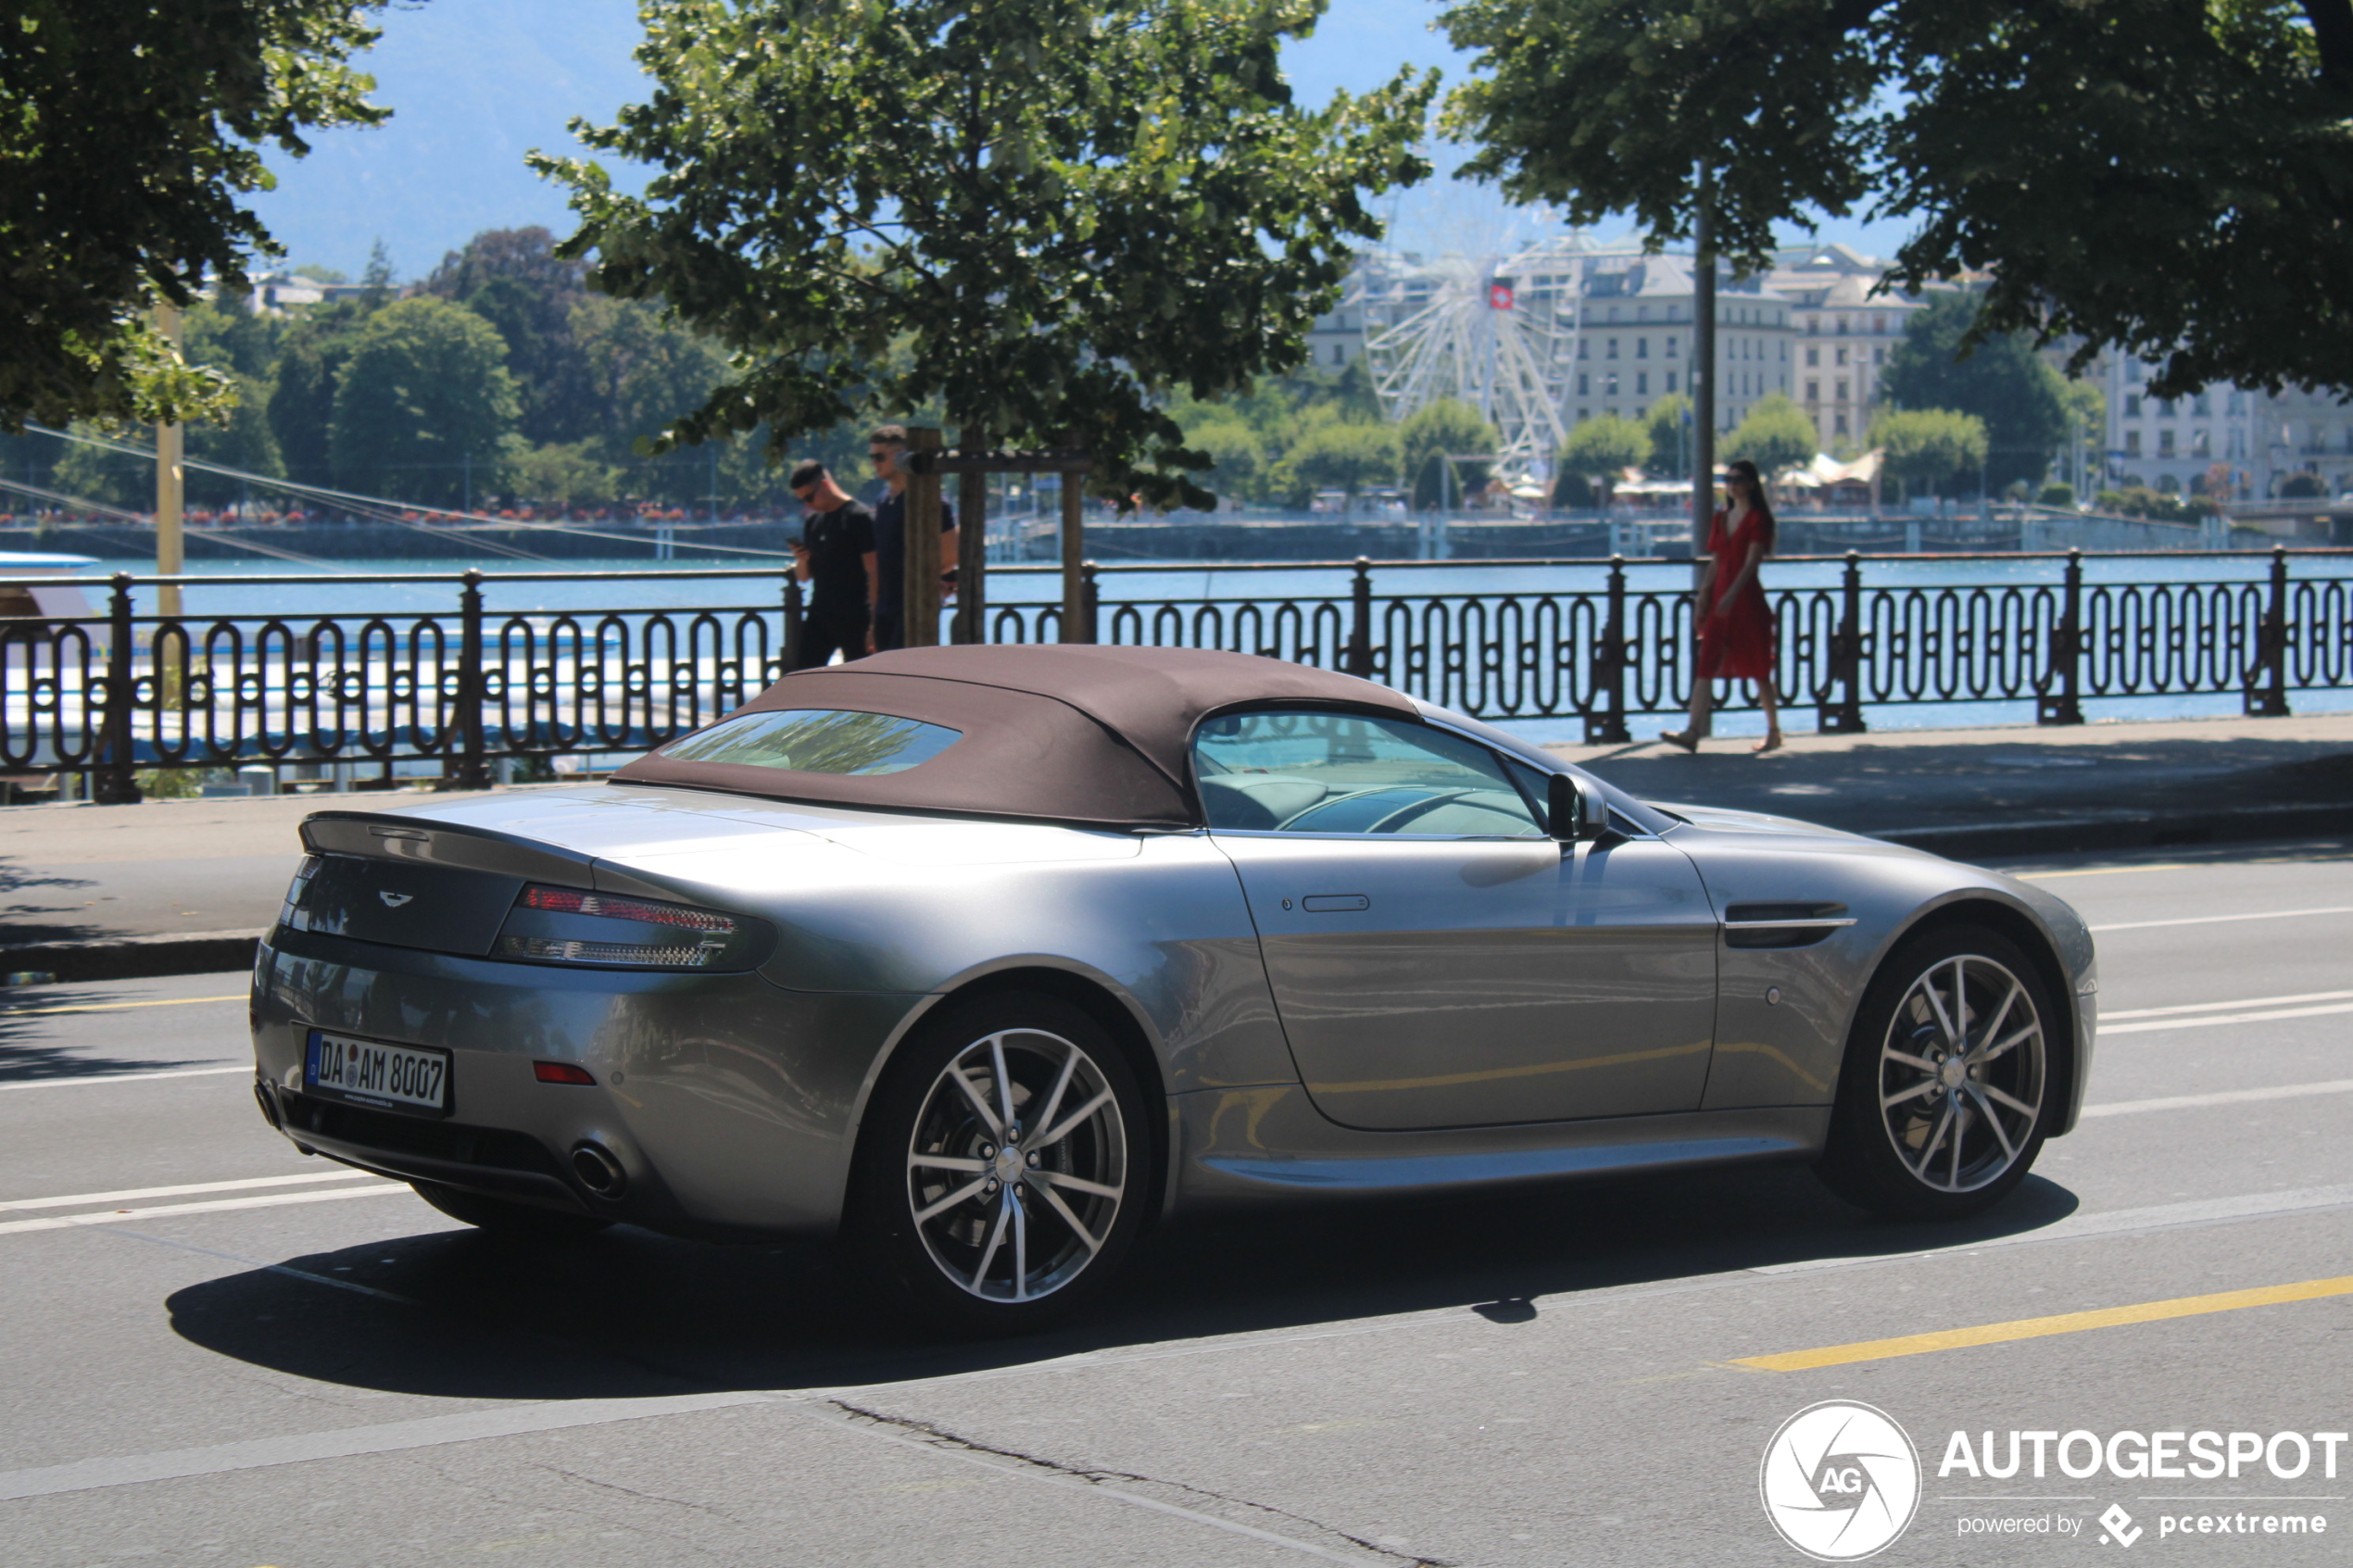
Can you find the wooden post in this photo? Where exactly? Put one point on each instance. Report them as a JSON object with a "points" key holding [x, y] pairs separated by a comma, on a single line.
{"points": [[1078, 625], [972, 544], [920, 592]]}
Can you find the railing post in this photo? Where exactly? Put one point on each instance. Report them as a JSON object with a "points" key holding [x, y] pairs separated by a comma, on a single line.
{"points": [[2267, 683], [1607, 727], [1360, 622], [793, 613], [1090, 604], [2062, 687], [471, 771], [1843, 715], [113, 778]]}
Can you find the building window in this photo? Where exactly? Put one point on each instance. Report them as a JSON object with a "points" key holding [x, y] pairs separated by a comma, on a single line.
{"points": [[1609, 384], [2237, 446], [1584, 348], [1642, 313], [1584, 414], [2132, 443], [1671, 348], [2165, 408], [2136, 372], [1841, 427], [1642, 348], [2164, 443], [1584, 388], [1879, 323], [1642, 383], [2132, 406], [1613, 350], [1842, 389], [1879, 355], [1841, 326], [2236, 403], [2202, 405], [1340, 353], [1670, 380], [1842, 356], [1812, 392], [2201, 443], [1813, 358], [1813, 325]]}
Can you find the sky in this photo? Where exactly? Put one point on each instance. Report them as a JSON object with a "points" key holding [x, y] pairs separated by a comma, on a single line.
{"points": [[474, 84]]}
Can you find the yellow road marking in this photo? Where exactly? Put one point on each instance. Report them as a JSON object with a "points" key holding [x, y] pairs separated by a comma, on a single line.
{"points": [[2035, 1328], [114, 1007]]}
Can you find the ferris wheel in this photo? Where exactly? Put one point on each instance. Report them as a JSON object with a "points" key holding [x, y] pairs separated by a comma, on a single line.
{"points": [[1497, 332]]}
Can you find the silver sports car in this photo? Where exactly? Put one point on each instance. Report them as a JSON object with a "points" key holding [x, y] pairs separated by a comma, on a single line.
{"points": [[984, 959]]}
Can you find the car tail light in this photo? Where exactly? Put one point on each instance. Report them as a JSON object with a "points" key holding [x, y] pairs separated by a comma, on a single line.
{"points": [[571, 925]]}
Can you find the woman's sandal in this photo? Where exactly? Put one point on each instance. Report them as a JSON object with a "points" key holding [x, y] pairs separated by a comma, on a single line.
{"points": [[1770, 743], [1683, 738]]}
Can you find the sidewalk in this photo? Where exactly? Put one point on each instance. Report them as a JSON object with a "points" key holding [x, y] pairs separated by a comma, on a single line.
{"points": [[184, 886], [1985, 792]]}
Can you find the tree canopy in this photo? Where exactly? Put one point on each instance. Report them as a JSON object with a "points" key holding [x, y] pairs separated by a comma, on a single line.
{"points": [[2169, 178], [1041, 216], [1774, 435], [2022, 401], [128, 131], [1446, 426], [1930, 449], [1598, 450], [424, 397]]}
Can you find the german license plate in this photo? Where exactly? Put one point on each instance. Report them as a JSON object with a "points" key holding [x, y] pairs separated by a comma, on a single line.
{"points": [[409, 1078]]}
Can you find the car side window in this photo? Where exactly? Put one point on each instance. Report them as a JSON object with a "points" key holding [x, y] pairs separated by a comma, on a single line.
{"points": [[1305, 771]]}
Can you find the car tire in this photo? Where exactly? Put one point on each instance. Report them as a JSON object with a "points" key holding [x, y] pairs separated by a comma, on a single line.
{"points": [[1950, 1079], [963, 1228], [501, 1217]]}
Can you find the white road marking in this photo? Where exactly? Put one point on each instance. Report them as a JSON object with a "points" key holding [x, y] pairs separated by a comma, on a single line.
{"points": [[2227, 1007], [125, 1078], [2221, 1096], [2147, 1025], [2218, 919], [271, 1200], [127, 1194]]}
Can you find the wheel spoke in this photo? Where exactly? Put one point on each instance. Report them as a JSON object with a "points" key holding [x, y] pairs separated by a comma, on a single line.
{"points": [[1936, 1004], [1917, 1064], [1889, 1102], [1960, 1133], [944, 1162], [1074, 1184], [1990, 1051], [996, 1237], [1062, 1085], [1071, 1120], [1993, 1025], [1990, 1091], [2009, 1150], [968, 1190], [1021, 1243], [1004, 1080], [1055, 1199], [956, 1071], [1936, 1138]]}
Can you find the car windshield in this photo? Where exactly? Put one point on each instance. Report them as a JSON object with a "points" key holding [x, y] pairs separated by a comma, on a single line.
{"points": [[818, 740]]}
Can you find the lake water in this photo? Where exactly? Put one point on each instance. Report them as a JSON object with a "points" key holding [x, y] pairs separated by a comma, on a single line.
{"points": [[364, 588]]}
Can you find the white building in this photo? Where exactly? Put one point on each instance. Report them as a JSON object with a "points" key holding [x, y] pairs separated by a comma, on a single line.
{"points": [[1847, 331], [2226, 437]]}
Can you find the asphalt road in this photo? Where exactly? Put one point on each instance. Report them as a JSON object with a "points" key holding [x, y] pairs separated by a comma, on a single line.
{"points": [[218, 1352]]}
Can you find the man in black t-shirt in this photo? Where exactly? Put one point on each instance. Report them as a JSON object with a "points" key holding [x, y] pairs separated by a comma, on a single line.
{"points": [[835, 555], [890, 538]]}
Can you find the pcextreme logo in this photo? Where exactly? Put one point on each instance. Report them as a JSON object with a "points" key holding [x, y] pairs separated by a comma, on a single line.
{"points": [[1840, 1481]]}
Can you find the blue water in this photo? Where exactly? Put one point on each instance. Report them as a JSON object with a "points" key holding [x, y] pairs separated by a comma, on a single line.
{"points": [[363, 589]]}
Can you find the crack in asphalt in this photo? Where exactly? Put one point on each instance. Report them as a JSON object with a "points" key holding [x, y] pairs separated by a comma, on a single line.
{"points": [[925, 1432]]}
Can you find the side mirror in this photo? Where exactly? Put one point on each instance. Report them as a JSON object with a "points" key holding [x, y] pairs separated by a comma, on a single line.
{"points": [[1577, 815]]}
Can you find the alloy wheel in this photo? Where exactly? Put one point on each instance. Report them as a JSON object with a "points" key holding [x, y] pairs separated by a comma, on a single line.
{"points": [[1017, 1166], [1961, 1073]]}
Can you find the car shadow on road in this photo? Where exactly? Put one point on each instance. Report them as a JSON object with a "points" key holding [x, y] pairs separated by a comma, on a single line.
{"points": [[31, 1052], [462, 1313]]}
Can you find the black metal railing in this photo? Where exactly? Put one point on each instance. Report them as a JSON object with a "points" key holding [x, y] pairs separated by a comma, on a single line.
{"points": [[114, 693]]}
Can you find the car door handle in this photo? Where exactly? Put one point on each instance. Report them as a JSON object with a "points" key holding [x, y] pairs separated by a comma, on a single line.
{"points": [[1335, 903]]}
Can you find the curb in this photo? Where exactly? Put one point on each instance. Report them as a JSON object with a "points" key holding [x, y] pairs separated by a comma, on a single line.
{"points": [[2068, 836], [133, 958]]}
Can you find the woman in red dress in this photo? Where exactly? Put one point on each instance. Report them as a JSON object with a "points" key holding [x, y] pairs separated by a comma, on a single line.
{"points": [[1735, 623]]}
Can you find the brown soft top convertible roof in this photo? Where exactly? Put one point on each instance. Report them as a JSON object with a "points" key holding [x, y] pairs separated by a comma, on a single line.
{"points": [[1067, 733]]}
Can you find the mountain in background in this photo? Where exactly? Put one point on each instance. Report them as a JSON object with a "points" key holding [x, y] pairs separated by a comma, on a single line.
{"points": [[475, 84]]}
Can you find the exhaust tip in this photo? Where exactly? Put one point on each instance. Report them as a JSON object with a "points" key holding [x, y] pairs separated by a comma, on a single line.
{"points": [[269, 1103], [598, 1170]]}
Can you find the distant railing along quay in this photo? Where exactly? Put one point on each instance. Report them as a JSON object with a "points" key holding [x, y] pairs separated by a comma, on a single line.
{"points": [[117, 693]]}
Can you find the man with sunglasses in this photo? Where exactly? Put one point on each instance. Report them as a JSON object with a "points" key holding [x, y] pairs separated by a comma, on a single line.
{"points": [[835, 555], [884, 447]]}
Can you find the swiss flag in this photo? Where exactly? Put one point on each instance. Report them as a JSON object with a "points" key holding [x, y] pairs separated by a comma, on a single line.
{"points": [[1499, 296]]}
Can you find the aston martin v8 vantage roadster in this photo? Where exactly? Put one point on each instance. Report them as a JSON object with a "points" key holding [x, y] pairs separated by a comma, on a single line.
{"points": [[981, 959]]}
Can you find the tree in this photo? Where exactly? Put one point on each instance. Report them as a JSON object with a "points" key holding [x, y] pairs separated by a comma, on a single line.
{"points": [[128, 131], [2000, 379], [1336, 453], [1600, 449], [514, 280], [2209, 145], [1050, 208], [1930, 448], [1446, 426], [1240, 465], [1669, 423], [423, 398], [1775, 435]]}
